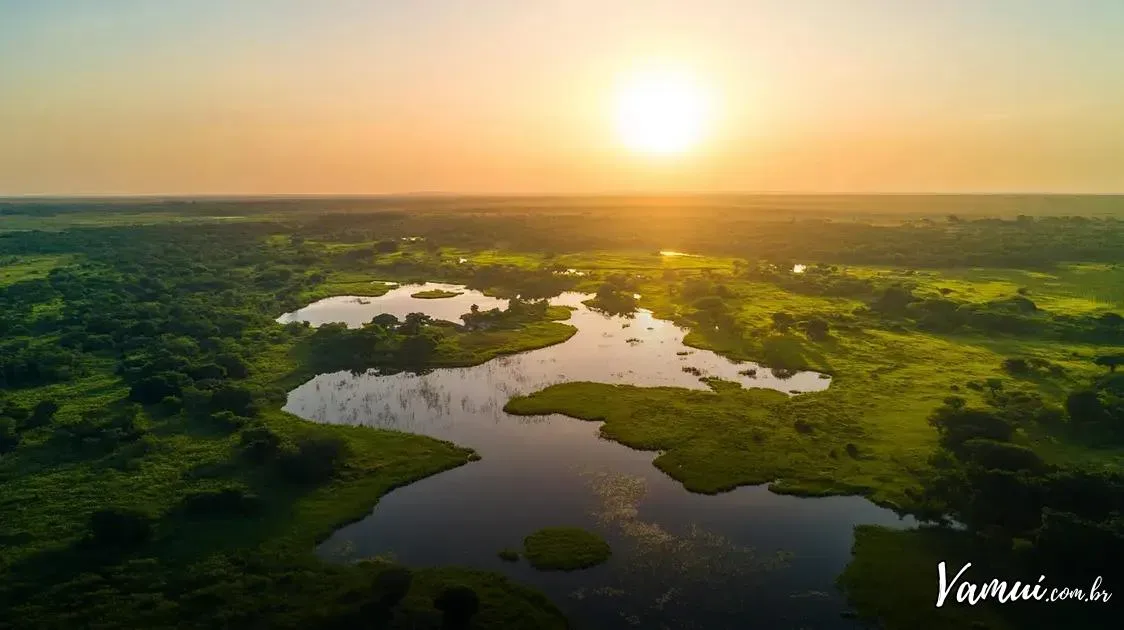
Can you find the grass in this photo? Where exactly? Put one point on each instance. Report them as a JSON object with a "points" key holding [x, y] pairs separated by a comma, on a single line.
{"points": [[1073, 289], [346, 283], [435, 294], [30, 267], [884, 386], [469, 348], [473, 348], [565, 549]]}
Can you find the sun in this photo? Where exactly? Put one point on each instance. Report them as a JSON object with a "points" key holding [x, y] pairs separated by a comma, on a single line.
{"points": [[661, 112]]}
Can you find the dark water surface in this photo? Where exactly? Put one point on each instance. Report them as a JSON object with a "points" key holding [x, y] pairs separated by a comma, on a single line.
{"points": [[742, 559]]}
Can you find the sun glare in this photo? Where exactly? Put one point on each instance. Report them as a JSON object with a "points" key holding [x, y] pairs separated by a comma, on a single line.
{"points": [[661, 113]]}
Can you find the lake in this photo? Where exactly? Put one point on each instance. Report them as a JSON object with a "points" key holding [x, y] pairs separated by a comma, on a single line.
{"points": [[745, 558]]}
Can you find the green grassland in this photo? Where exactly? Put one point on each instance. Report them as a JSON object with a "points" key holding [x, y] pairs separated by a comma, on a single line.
{"points": [[92, 312], [884, 385], [18, 269]]}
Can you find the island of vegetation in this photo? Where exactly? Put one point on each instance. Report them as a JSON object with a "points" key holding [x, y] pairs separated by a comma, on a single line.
{"points": [[435, 294], [565, 549]]}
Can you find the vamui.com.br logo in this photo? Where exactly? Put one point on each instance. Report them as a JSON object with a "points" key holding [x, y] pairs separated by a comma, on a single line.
{"points": [[961, 589]]}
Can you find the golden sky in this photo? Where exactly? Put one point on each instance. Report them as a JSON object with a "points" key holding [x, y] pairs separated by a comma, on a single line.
{"points": [[518, 96]]}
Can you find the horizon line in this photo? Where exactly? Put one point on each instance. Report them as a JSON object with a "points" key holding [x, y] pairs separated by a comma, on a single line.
{"points": [[526, 195]]}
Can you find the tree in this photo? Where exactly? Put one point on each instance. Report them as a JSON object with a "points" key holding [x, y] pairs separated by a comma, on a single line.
{"points": [[235, 367], [816, 329], [1084, 406], [44, 411], [414, 323], [237, 400], [9, 439], [153, 389], [259, 444], [386, 320], [115, 527], [782, 321], [416, 350], [458, 605], [1111, 361], [392, 585], [994, 385], [958, 424], [314, 460]]}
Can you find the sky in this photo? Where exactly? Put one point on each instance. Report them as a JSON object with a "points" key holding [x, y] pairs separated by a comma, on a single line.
{"points": [[517, 96]]}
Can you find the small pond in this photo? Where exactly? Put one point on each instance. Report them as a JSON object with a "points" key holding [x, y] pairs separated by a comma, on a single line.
{"points": [[746, 558]]}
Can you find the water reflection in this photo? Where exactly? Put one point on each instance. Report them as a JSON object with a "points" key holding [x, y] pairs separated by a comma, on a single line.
{"points": [[680, 560]]}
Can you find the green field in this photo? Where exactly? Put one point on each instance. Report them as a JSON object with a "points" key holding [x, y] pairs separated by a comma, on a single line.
{"points": [[149, 479]]}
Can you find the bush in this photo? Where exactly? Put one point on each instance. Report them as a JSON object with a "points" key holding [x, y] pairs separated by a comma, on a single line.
{"points": [[237, 400], [817, 329], [314, 460], [115, 527], [392, 585], [782, 321], [458, 604], [957, 425], [9, 439], [260, 444], [220, 502], [1002, 455], [42, 415], [228, 420], [1084, 406]]}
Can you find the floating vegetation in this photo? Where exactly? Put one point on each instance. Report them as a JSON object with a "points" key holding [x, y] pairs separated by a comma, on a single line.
{"points": [[783, 373], [697, 565]]}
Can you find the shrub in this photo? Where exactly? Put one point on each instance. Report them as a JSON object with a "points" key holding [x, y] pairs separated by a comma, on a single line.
{"points": [[237, 400], [458, 604], [42, 414], [228, 420], [1002, 455], [260, 444], [9, 439], [116, 527], [957, 425], [782, 321], [816, 329], [1084, 406], [220, 502], [392, 585], [314, 460]]}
